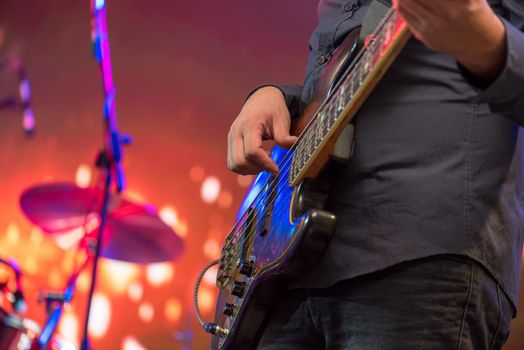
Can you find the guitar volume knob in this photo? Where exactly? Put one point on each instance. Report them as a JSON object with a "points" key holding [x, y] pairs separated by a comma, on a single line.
{"points": [[229, 309], [238, 289], [247, 267]]}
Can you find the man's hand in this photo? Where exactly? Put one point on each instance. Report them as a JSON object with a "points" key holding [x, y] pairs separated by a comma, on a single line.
{"points": [[467, 30], [264, 116]]}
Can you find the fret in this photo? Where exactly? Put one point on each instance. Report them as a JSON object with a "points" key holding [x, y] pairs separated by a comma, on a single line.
{"points": [[368, 59], [311, 139], [318, 132], [387, 32], [309, 143], [340, 99], [358, 77], [350, 91]]}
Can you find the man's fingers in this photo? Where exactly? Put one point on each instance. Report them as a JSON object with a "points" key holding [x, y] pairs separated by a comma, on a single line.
{"points": [[255, 153], [280, 132], [236, 160]]}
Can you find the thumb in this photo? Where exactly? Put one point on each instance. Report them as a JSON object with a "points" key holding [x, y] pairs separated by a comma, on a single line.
{"points": [[281, 134]]}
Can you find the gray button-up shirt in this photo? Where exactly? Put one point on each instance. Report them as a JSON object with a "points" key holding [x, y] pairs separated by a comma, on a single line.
{"points": [[438, 163]]}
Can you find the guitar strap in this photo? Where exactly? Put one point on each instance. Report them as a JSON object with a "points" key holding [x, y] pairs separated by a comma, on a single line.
{"points": [[376, 12]]}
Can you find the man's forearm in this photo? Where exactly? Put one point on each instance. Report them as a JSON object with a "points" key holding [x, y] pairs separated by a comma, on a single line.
{"points": [[486, 59]]}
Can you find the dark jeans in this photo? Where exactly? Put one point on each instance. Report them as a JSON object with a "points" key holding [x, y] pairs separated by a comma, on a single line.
{"points": [[441, 302]]}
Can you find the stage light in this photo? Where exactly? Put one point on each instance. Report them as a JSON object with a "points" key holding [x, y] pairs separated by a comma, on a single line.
{"points": [[146, 312], [196, 173], [211, 249], [173, 310], [100, 317], [210, 189], [158, 274], [135, 291], [83, 176], [131, 343], [99, 4]]}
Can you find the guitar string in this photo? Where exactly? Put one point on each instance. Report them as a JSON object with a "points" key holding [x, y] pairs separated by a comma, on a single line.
{"points": [[237, 241], [285, 160], [275, 192]]}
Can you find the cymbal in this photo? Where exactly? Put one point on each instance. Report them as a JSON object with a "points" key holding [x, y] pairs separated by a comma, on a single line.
{"points": [[59, 207], [133, 233]]}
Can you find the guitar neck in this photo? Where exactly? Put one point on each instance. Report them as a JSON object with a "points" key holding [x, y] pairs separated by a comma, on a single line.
{"points": [[317, 141]]}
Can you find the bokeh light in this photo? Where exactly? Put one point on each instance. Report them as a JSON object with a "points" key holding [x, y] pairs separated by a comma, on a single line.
{"points": [[225, 199], [158, 274], [30, 264], [83, 176], [12, 234], [84, 281], [131, 343], [36, 236], [100, 316], [210, 189], [135, 196], [173, 310], [181, 228], [168, 215], [146, 312], [68, 328], [212, 248], [135, 291], [118, 274], [206, 299], [55, 278], [196, 173], [211, 275]]}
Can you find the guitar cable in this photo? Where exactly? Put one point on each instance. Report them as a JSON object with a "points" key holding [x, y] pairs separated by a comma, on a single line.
{"points": [[209, 327]]}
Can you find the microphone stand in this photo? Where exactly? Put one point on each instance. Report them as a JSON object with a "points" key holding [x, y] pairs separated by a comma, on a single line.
{"points": [[109, 159]]}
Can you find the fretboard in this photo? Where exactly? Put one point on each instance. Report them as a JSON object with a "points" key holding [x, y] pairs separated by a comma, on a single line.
{"points": [[379, 51]]}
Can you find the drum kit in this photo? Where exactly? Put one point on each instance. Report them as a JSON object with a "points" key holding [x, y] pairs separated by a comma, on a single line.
{"points": [[133, 233], [112, 226]]}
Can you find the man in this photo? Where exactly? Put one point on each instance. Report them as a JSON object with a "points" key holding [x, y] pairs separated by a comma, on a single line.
{"points": [[430, 211]]}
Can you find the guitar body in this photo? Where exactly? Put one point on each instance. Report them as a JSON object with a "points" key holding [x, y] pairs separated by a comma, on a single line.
{"points": [[282, 232]]}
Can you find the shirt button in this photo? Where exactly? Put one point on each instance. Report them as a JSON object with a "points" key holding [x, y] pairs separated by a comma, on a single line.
{"points": [[322, 59], [349, 7]]}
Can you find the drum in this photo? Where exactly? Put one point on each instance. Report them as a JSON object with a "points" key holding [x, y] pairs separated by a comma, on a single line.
{"points": [[16, 333]]}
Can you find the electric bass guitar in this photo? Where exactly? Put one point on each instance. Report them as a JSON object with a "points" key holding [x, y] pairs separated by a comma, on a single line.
{"points": [[282, 229]]}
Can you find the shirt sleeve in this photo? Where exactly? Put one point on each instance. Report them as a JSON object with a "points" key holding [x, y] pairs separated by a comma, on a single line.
{"points": [[292, 94], [506, 94]]}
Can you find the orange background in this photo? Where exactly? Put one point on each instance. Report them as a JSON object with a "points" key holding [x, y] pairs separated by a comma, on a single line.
{"points": [[182, 69]]}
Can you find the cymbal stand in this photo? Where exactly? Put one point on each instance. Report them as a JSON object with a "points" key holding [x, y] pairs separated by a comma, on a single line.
{"points": [[109, 159], [54, 306]]}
